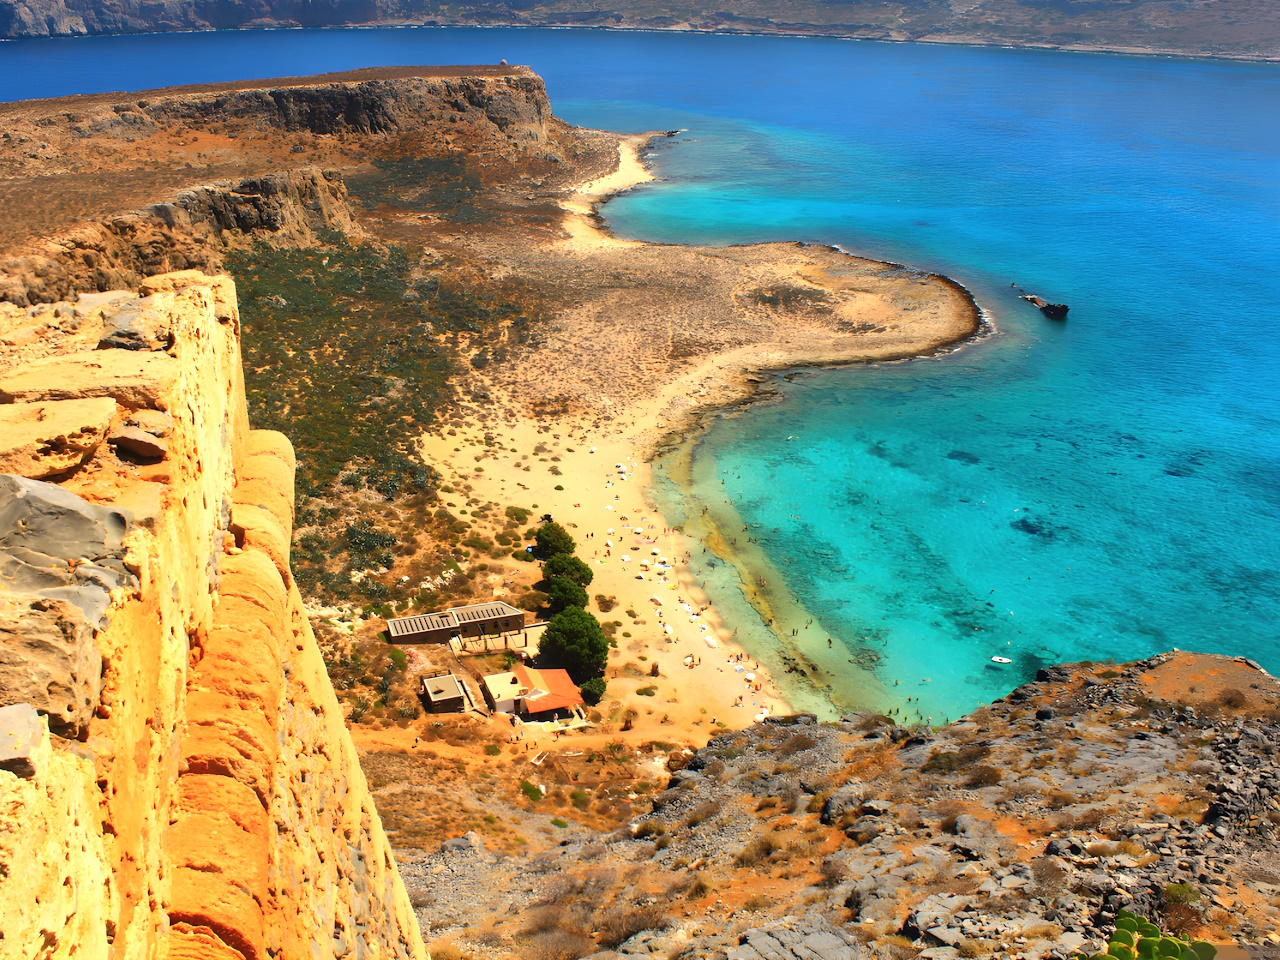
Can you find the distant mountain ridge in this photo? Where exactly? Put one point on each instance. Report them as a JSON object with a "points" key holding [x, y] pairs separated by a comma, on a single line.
{"points": [[1213, 28]]}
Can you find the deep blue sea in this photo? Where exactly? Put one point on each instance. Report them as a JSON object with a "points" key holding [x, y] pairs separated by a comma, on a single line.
{"points": [[1107, 487]]}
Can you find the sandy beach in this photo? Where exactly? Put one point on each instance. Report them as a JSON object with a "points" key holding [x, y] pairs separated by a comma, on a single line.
{"points": [[571, 428], [702, 681]]}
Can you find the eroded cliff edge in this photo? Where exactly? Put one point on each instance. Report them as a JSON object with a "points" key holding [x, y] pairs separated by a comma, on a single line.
{"points": [[175, 775]]}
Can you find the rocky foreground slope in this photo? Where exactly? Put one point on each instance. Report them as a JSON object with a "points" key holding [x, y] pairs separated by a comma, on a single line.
{"points": [[176, 778], [1019, 831]]}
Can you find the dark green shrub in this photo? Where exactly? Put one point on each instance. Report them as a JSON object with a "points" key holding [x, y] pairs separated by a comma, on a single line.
{"points": [[564, 593], [567, 565], [593, 690]]}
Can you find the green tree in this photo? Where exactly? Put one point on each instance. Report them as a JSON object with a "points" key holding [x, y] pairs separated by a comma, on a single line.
{"points": [[574, 642], [593, 691], [567, 565], [564, 593], [553, 539]]}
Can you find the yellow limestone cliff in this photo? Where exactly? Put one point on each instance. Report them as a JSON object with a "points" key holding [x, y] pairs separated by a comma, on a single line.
{"points": [[176, 779]]}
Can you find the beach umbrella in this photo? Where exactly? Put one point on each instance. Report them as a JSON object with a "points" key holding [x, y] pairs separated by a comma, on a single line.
{"points": [[750, 676], [711, 642], [657, 599], [609, 531], [655, 551], [608, 543], [639, 531], [668, 629], [626, 558], [689, 658], [760, 717]]}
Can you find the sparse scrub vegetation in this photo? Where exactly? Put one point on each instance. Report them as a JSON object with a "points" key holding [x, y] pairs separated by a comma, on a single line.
{"points": [[621, 923], [757, 851]]}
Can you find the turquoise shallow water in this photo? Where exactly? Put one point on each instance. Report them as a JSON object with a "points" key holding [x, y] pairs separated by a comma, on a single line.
{"points": [[1107, 487], [1104, 488]]}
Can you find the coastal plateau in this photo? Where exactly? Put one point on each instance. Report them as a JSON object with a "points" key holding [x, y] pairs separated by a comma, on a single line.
{"points": [[401, 278]]}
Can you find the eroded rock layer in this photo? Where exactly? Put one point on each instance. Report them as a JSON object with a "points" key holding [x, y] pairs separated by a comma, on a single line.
{"points": [[175, 775]]}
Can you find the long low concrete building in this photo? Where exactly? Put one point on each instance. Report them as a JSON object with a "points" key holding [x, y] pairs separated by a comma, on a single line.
{"points": [[493, 619]]}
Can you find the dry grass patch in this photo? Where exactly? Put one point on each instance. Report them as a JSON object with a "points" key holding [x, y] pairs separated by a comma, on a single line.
{"points": [[758, 851], [621, 923]]}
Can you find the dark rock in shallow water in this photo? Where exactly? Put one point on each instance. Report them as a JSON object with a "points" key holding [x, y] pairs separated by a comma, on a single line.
{"points": [[961, 456], [1037, 528]]}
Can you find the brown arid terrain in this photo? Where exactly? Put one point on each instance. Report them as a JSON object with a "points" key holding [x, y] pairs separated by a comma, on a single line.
{"points": [[1224, 28], [1019, 831], [401, 279]]}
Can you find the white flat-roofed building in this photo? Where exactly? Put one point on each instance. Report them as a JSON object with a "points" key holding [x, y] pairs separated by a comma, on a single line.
{"points": [[503, 690]]}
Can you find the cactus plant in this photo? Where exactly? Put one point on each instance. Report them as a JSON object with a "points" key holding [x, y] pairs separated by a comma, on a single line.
{"points": [[1137, 938]]}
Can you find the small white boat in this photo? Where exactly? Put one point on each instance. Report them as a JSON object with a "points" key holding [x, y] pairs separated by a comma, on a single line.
{"points": [[1001, 660]]}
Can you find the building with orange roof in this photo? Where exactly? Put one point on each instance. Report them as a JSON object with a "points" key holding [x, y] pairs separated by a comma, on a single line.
{"points": [[532, 694]]}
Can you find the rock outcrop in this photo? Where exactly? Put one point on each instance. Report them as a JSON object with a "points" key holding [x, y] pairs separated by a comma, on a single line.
{"points": [[175, 775], [186, 232]]}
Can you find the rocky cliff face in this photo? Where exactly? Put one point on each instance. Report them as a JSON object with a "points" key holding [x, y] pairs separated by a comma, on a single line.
{"points": [[185, 232], [175, 775]]}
